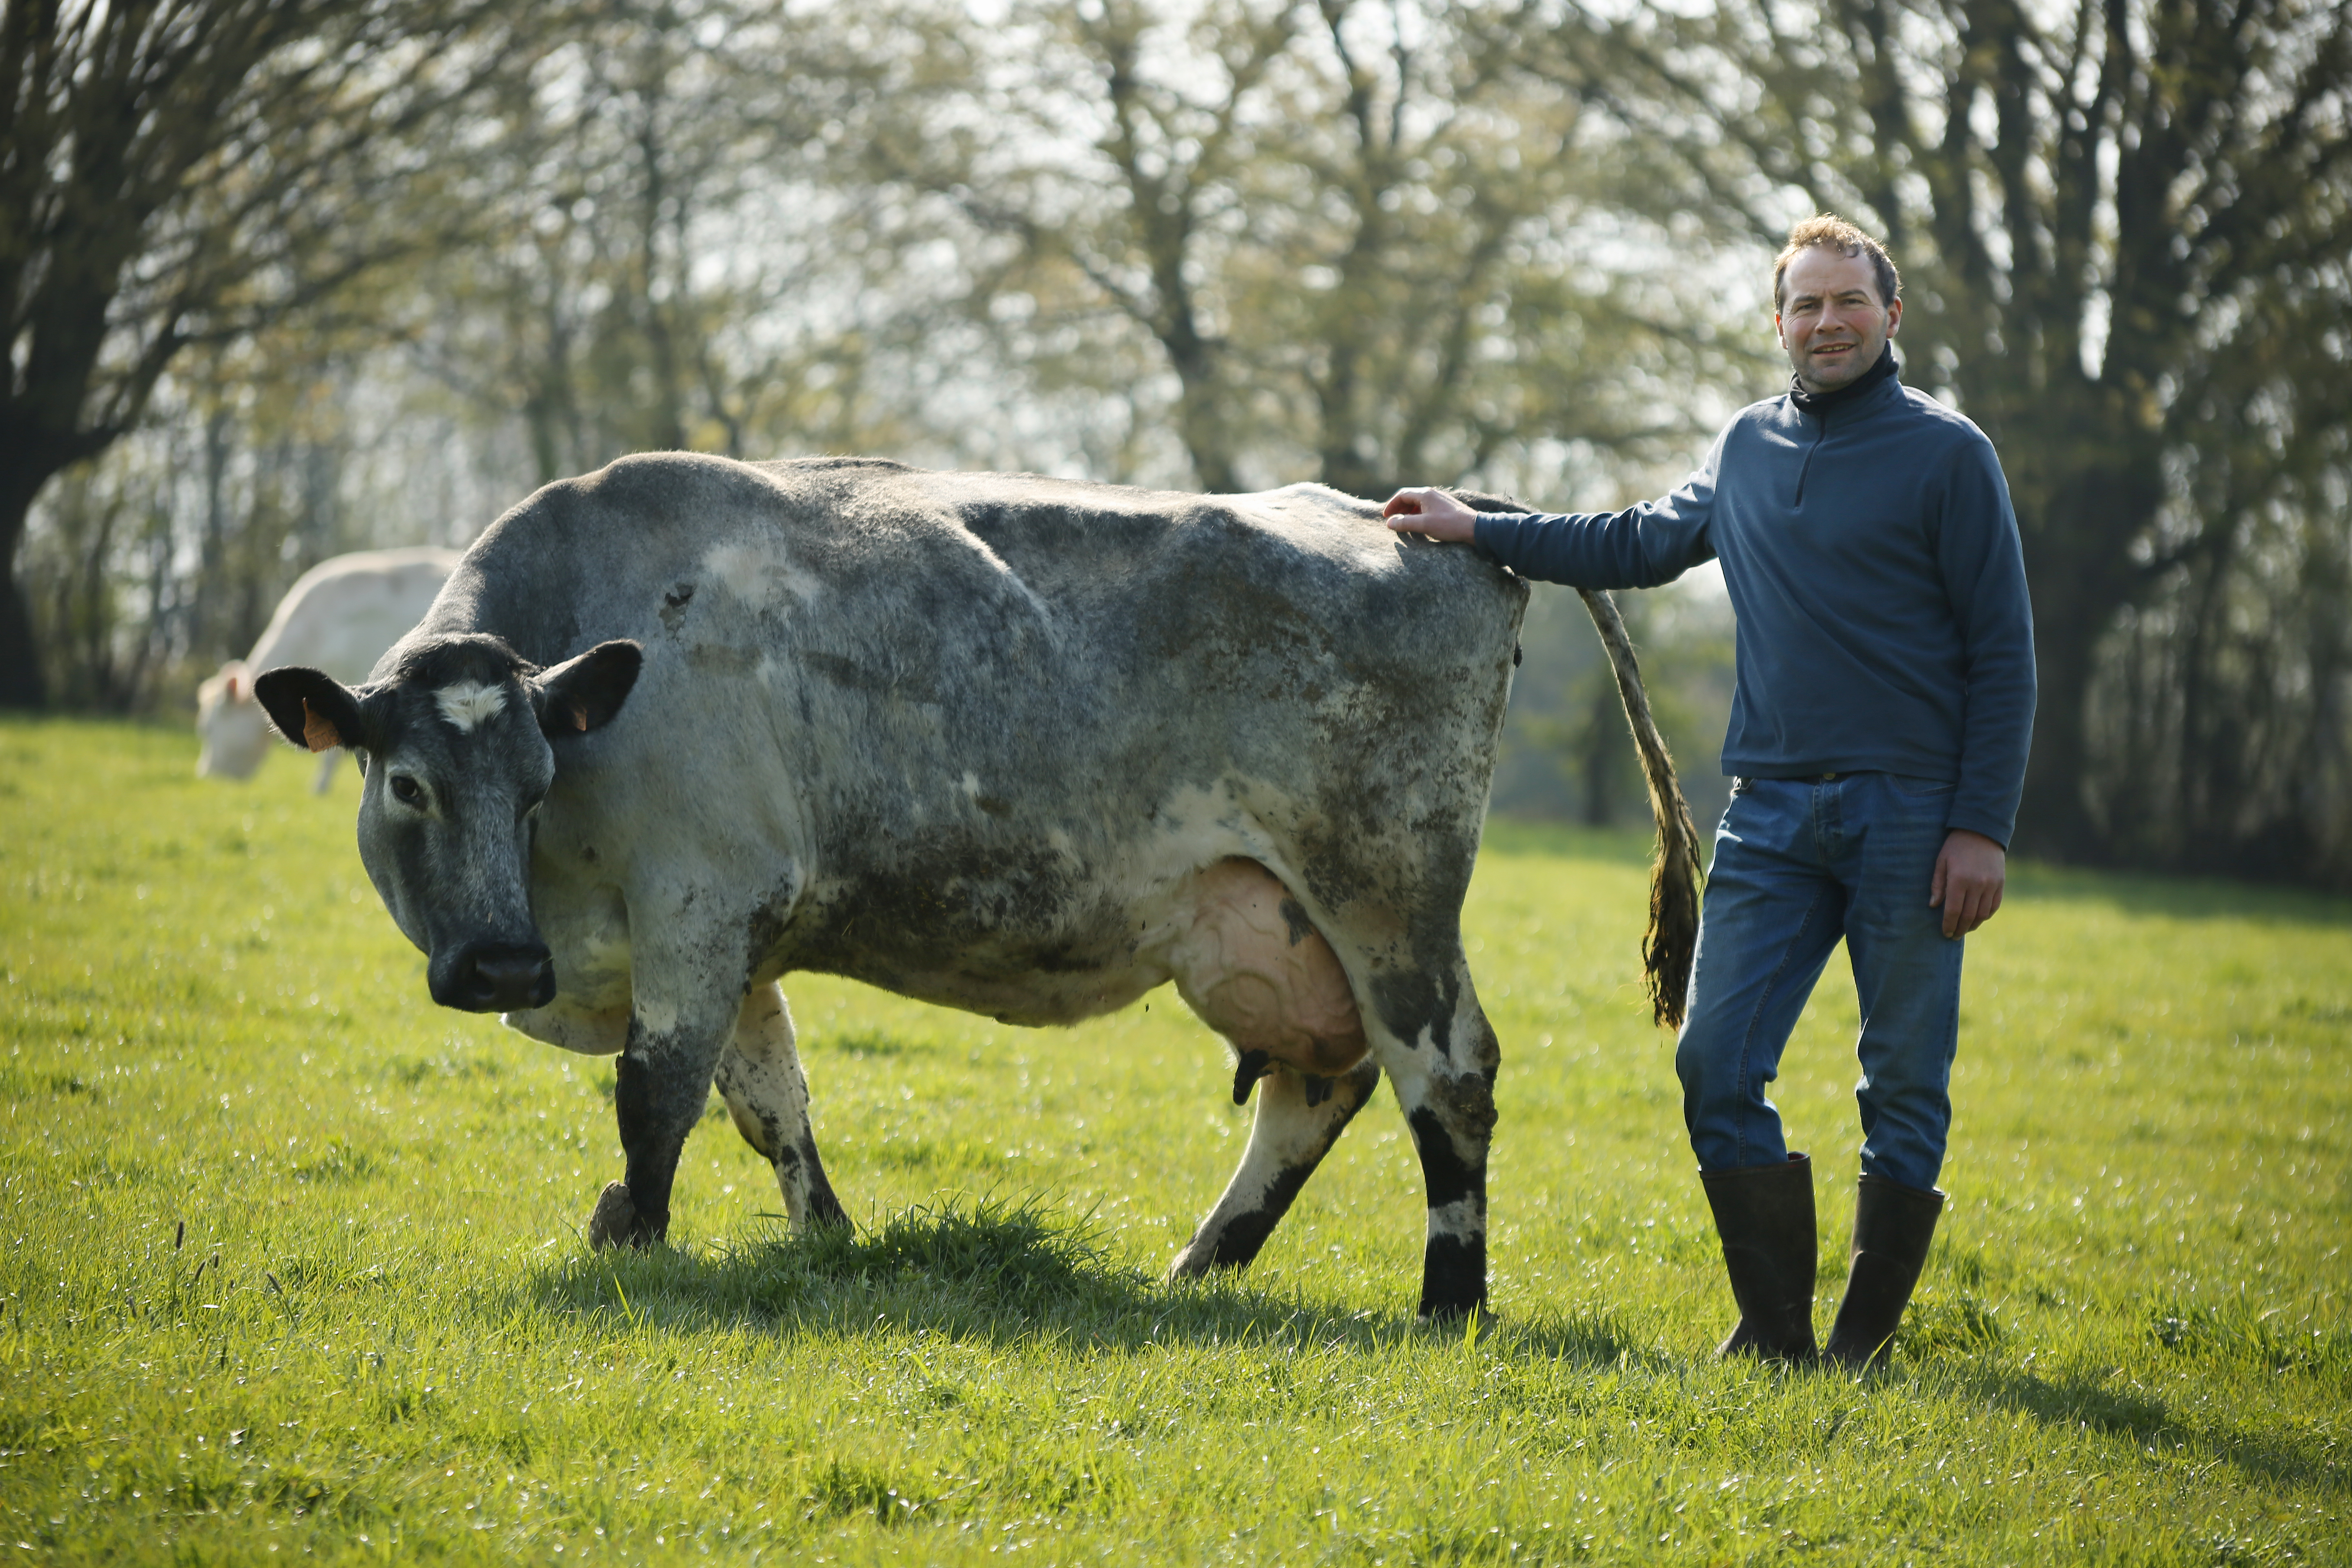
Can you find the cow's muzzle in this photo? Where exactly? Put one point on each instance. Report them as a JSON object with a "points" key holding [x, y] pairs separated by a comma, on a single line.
{"points": [[495, 977]]}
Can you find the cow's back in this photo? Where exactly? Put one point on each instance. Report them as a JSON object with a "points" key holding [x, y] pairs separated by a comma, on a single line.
{"points": [[984, 620]]}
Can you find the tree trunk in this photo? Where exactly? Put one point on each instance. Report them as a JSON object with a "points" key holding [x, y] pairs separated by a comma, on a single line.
{"points": [[2053, 819], [1201, 416], [22, 475], [2077, 520], [1604, 735]]}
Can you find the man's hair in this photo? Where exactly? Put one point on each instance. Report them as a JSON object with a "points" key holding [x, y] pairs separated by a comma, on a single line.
{"points": [[1831, 232]]}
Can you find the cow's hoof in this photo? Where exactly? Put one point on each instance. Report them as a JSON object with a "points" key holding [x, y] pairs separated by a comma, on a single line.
{"points": [[614, 1223], [1198, 1261]]}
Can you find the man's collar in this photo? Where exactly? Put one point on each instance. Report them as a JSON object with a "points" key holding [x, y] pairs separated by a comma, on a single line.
{"points": [[1818, 403]]}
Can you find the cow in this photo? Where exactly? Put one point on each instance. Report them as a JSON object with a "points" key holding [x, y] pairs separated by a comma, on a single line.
{"points": [[339, 616], [1024, 746]]}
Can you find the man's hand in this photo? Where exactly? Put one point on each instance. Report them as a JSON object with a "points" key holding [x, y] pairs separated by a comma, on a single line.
{"points": [[1968, 875], [1432, 512]]}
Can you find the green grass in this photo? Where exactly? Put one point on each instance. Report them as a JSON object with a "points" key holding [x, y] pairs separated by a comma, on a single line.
{"points": [[380, 1335]]}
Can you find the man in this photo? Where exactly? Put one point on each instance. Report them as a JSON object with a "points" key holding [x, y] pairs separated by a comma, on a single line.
{"points": [[1877, 748]]}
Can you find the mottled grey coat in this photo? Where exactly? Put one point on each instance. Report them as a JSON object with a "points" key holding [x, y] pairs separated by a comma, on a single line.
{"points": [[1014, 744]]}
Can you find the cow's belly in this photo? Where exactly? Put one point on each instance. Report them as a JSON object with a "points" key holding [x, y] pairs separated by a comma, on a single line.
{"points": [[1242, 951]]}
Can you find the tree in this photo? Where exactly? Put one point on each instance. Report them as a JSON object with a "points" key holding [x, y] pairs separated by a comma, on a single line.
{"points": [[179, 173], [2124, 226], [675, 249], [1344, 236]]}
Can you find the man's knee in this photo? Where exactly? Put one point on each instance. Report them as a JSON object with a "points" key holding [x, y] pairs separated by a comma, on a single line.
{"points": [[1711, 1060]]}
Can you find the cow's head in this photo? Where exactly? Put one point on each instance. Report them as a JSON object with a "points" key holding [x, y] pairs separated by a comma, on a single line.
{"points": [[456, 751]]}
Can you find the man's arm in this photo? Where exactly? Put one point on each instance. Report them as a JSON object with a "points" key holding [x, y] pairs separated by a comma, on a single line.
{"points": [[1640, 547], [1983, 566]]}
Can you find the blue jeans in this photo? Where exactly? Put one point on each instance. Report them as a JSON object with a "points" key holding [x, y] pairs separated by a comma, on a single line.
{"points": [[1800, 863]]}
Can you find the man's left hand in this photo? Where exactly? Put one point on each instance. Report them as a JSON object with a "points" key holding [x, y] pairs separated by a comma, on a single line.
{"points": [[1968, 877]]}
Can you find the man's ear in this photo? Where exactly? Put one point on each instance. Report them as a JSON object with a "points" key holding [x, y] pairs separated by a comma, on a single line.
{"points": [[310, 708], [583, 694]]}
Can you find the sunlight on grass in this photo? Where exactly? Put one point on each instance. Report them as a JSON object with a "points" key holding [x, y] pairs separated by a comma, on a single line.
{"points": [[294, 1263]]}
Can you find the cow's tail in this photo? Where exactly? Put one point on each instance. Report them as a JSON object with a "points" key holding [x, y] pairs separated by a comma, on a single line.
{"points": [[1675, 875]]}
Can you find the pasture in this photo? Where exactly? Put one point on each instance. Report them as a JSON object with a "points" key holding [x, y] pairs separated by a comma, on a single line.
{"points": [[290, 1261]]}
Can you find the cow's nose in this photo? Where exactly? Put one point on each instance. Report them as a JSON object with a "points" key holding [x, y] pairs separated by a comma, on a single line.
{"points": [[503, 978]]}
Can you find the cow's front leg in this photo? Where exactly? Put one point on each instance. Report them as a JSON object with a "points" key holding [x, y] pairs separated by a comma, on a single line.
{"points": [[1299, 1117], [767, 1095], [664, 1081], [1441, 1056]]}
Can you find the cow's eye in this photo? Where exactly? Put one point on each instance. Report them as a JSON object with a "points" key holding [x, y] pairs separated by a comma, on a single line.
{"points": [[407, 791]]}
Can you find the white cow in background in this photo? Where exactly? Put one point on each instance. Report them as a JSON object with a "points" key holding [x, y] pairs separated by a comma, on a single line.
{"points": [[339, 616]]}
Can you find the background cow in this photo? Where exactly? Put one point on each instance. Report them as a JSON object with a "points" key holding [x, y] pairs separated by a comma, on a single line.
{"points": [[339, 616], [1023, 746]]}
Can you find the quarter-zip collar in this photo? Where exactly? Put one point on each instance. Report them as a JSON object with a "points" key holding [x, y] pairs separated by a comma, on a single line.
{"points": [[1819, 404]]}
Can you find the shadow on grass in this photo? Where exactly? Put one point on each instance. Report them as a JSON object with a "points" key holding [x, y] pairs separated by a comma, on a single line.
{"points": [[2187, 897], [2148, 1424], [1002, 1271]]}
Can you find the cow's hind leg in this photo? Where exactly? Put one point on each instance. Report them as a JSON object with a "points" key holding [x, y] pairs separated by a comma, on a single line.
{"points": [[1429, 1033], [767, 1095], [1299, 1117]]}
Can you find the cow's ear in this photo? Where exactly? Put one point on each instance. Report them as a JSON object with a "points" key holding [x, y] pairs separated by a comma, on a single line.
{"points": [[583, 694], [310, 708]]}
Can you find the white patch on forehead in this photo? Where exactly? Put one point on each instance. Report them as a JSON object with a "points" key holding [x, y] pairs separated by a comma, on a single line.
{"points": [[467, 702], [757, 572]]}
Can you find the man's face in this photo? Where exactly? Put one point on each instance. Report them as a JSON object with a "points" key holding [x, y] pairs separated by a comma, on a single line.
{"points": [[1829, 319]]}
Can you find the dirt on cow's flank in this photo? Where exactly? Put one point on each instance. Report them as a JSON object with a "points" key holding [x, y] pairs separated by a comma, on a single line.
{"points": [[293, 1260]]}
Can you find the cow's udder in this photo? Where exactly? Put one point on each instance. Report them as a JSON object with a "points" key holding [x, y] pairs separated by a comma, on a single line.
{"points": [[1257, 972]]}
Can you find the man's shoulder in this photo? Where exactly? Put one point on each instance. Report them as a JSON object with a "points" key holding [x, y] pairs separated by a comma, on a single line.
{"points": [[1932, 418], [1775, 410], [1774, 420]]}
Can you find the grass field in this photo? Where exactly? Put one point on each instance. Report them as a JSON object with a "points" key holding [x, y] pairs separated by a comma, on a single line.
{"points": [[290, 1261]]}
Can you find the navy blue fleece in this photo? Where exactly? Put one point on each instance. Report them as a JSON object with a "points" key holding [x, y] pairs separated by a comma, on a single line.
{"points": [[1874, 562]]}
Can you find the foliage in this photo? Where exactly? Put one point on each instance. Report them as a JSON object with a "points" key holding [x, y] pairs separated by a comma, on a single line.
{"points": [[1357, 244], [379, 1334], [174, 175], [672, 259]]}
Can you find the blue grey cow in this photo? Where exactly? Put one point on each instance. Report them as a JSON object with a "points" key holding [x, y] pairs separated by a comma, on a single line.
{"points": [[1023, 746]]}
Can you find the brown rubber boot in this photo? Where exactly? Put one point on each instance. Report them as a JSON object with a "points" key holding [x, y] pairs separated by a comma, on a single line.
{"points": [[1893, 1225], [1765, 1215]]}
